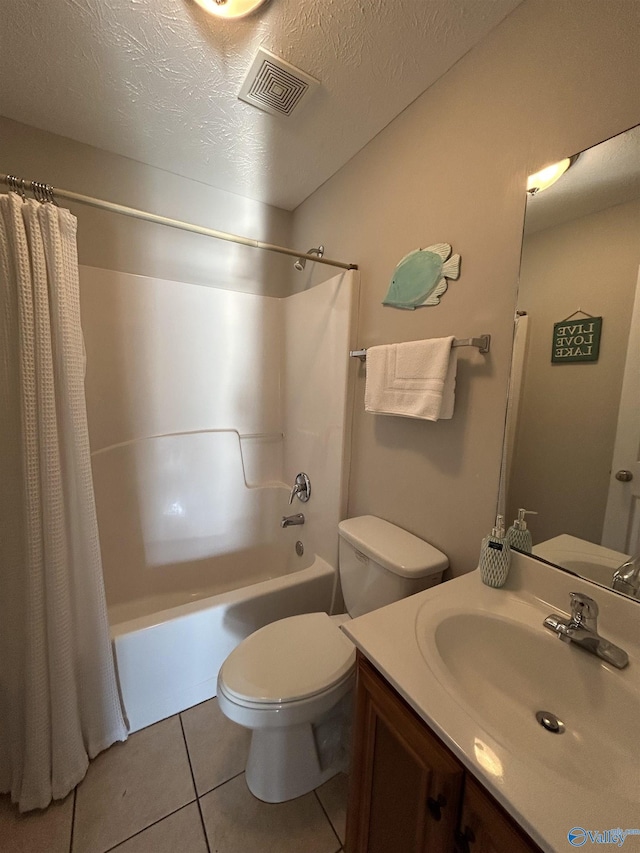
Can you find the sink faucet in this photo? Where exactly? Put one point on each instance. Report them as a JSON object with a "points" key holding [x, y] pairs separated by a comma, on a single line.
{"points": [[290, 520], [582, 629], [626, 578]]}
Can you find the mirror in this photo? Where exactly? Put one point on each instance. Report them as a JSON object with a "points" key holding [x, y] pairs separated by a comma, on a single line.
{"points": [[567, 433]]}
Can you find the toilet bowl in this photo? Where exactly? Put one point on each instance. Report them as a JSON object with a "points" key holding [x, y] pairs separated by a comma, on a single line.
{"points": [[291, 682]]}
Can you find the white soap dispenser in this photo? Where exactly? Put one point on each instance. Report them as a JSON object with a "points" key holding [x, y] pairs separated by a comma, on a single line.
{"points": [[518, 536], [495, 556]]}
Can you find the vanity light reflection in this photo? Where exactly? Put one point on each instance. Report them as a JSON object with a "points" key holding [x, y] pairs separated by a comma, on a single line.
{"points": [[545, 178], [487, 758], [230, 8]]}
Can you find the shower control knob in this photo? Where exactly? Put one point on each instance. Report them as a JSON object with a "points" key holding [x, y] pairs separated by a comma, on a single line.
{"points": [[624, 476], [301, 488]]}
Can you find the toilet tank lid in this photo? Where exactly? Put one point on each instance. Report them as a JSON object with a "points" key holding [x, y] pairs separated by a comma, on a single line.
{"points": [[394, 548]]}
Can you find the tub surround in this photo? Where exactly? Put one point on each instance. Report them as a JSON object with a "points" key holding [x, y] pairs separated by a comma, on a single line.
{"points": [[197, 399], [527, 772], [203, 405]]}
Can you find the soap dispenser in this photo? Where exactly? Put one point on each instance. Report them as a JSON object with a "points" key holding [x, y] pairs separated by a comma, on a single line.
{"points": [[518, 536], [495, 556]]}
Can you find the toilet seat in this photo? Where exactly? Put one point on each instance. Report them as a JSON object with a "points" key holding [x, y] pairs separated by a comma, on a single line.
{"points": [[287, 661]]}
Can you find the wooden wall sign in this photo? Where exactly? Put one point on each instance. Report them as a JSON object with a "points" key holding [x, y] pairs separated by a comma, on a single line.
{"points": [[576, 340]]}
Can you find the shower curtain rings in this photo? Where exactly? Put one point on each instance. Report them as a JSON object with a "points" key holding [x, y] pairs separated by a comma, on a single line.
{"points": [[41, 192], [16, 185]]}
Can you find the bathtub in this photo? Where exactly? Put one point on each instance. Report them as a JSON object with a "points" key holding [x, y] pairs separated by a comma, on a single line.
{"points": [[168, 650], [194, 560]]}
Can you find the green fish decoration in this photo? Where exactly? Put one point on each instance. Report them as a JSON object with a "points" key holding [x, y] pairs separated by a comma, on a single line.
{"points": [[421, 277]]}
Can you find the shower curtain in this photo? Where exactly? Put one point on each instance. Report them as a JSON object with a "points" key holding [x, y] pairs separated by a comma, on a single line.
{"points": [[59, 700]]}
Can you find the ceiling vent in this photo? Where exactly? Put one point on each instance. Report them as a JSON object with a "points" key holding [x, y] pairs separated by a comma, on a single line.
{"points": [[275, 86]]}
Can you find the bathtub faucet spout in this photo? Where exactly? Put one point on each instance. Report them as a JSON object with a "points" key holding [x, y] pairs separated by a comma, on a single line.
{"points": [[290, 520]]}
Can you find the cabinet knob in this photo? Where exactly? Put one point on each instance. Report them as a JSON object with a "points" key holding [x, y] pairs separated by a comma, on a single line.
{"points": [[464, 839], [624, 476], [435, 806]]}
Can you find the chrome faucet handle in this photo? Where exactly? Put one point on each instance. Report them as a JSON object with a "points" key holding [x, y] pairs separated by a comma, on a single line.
{"points": [[626, 577], [294, 492], [301, 488], [582, 630], [584, 612]]}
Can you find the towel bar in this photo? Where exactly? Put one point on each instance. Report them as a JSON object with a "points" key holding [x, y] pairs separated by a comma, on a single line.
{"points": [[483, 343]]}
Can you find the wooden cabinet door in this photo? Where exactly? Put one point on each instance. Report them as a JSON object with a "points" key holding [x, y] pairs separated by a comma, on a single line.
{"points": [[486, 828], [405, 786]]}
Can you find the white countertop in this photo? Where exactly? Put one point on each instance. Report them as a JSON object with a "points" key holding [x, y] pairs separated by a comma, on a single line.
{"points": [[545, 802]]}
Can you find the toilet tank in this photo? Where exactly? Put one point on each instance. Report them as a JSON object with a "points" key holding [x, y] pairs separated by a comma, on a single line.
{"points": [[381, 563]]}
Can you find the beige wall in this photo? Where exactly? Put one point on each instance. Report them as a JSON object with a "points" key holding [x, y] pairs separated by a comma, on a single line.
{"points": [[569, 412], [119, 243], [554, 78]]}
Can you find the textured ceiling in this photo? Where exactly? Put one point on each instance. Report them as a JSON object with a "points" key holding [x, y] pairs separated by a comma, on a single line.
{"points": [[603, 176], [157, 80]]}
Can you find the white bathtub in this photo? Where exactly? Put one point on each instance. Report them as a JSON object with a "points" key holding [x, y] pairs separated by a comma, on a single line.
{"points": [[194, 560], [168, 653]]}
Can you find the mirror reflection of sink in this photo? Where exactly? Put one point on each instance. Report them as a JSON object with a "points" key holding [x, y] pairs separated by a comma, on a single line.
{"points": [[584, 558], [503, 667]]}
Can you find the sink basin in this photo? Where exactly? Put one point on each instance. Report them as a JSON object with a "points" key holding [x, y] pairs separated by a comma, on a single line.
{"points": [[585, 559], [477, 665], [503, 666]]}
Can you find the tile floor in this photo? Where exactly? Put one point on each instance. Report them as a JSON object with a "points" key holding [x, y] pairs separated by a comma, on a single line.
{"points": [[178, 787]]}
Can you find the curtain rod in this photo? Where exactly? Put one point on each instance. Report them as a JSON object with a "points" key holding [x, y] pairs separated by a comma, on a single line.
{"points": [[45, 192]]}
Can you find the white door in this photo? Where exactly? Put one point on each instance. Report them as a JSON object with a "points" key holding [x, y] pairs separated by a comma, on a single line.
{"points": [[622, 518]]}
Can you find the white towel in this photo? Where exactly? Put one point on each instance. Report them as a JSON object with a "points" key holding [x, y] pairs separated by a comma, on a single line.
{"points": [[412, 380]]}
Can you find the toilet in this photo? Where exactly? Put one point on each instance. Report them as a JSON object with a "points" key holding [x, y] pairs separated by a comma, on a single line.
{"points": [[291, 682]]}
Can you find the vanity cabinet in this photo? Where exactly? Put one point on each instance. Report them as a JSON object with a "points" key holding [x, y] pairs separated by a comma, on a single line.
{"points": [[408, 793]]}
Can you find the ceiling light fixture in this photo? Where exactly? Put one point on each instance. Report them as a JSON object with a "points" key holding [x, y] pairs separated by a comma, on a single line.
{"points": [[230, 8], [543, 179]]}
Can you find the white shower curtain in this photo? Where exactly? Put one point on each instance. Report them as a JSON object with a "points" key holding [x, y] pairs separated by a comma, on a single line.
{"points": [[59, 701]]}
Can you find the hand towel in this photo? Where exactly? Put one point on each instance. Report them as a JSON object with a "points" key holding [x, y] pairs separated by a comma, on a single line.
{"points": [[412, 380]]}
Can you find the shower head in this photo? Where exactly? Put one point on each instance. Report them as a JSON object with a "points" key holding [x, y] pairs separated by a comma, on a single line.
{"points": [[301, 263]]}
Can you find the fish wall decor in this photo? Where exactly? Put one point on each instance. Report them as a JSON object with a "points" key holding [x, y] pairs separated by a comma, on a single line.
{"points": [[421, 277]]}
